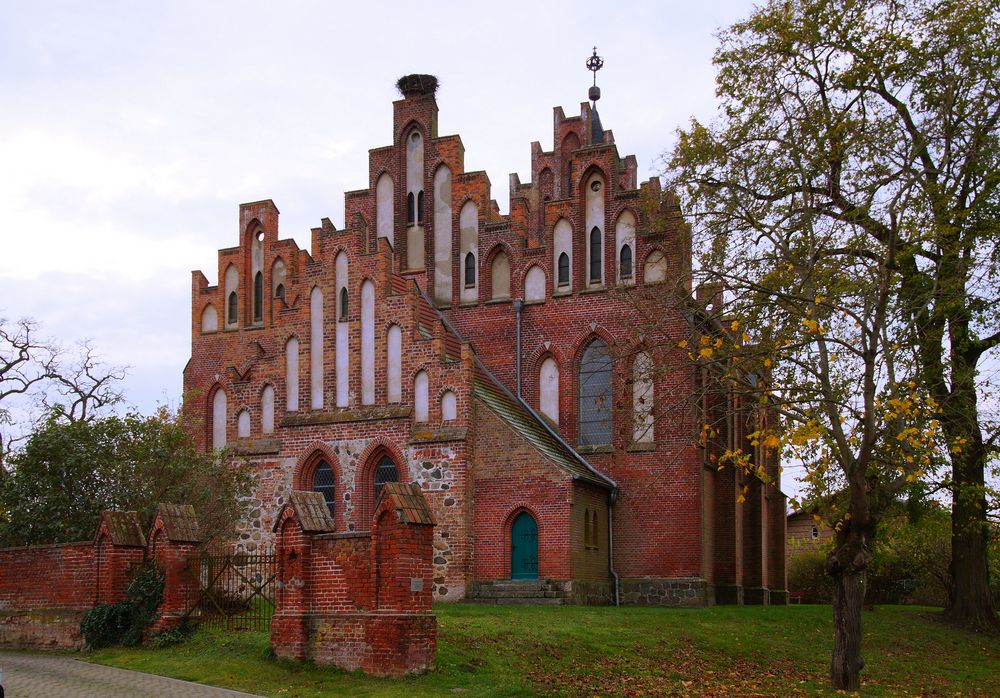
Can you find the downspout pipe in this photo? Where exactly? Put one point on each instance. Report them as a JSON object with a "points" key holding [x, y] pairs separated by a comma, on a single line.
{"points": [[612, 495], [612, 499]]}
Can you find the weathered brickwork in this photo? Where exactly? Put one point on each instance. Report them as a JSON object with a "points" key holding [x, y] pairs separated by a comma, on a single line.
{"points": [[45, 590], [392, 341], [359, 601]]}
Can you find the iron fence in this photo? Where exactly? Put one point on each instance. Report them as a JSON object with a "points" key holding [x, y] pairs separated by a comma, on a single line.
{"points": [[235, 590]]}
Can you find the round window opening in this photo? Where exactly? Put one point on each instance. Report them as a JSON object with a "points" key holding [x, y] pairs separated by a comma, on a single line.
{"points": [[595, 186]]}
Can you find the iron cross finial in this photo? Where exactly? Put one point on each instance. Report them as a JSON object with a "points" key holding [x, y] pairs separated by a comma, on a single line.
{"points": [[595, 63]]}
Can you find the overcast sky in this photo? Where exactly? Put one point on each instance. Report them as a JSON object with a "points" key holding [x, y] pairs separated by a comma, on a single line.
{"points": [[131, 131]]}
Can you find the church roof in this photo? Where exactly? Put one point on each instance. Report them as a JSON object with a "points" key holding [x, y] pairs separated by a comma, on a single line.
{"points": [[514, 412], [521, 421]]}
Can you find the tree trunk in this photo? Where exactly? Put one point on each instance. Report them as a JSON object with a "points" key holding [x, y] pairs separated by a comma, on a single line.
{"points": [[848, 564], [848, 597], [970, 603]]}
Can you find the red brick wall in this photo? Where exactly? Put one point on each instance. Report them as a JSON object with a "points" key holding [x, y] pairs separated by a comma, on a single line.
{"points": [[359, 601], [589, 553], [511, 477], [47, 577], [45, 590]]}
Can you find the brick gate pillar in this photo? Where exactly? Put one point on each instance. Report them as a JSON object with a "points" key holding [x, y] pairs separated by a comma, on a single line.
{"points": [[174, 538], [305, 514]]}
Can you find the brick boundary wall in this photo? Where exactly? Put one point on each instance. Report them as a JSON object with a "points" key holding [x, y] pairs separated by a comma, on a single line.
{"points": [[358, 601], [45, 590]]}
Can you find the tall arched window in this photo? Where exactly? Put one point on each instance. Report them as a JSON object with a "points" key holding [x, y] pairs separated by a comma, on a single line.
{"points": [[292, 375], [420, 397], [500, 276], [231, 300], [595, 395], [267, 410], [595, 255], [219, 408], [258, 297], [209, 319], [323, 483], [410, 209], [394, 363], [625, 262], [343, 305], [563, 269], [368, 343], [470, 270], [548, 389], [243, 424], [420, 208], [385, 472], [316, 365], [449, 406]]}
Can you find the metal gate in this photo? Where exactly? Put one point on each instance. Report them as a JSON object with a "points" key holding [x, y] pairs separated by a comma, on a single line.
{"points": [[235, 590]]}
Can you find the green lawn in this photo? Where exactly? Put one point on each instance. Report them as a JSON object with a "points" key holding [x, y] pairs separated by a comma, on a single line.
{"points": [[523, 650]]}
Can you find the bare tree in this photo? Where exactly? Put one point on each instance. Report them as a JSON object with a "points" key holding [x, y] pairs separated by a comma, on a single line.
{"points": [[36, 374]]}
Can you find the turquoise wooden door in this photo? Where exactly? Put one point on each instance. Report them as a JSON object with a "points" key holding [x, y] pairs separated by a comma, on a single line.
{"points": [[524, 547]]}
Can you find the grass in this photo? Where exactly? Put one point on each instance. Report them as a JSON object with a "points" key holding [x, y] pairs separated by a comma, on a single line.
{"points": [[576, 651]]}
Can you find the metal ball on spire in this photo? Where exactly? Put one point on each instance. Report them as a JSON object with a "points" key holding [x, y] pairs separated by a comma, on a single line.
{"points": [[595, 63]]}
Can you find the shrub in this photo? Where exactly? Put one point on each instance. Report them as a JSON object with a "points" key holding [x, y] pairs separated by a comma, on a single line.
{"points": [[106, 624], [123, 623], [807, 573]]}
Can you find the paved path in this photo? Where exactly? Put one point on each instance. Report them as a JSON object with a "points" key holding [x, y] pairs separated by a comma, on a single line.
{"points": [[55, 676]]}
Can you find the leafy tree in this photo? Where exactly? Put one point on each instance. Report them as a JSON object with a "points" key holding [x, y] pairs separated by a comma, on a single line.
{"points": [[847, 196], [70, 471]]}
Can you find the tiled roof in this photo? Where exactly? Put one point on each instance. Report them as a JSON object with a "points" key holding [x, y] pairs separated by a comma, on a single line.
{"points": [[310, 507], [408, 501], [180, 522], [123, 528], [528, 427]]}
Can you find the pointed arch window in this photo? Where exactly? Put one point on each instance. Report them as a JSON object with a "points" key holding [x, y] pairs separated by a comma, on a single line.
{"points": [[231, 308], [563, 269], [625, 262], [420, 208], [595, 255], [385, 472], [410, 209], [343, 305], [470, 270], [279, 291], [258, 297], [595, 395], [323, 482]]}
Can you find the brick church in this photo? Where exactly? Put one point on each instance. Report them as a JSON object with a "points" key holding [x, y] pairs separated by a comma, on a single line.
{"points": [[495, 361]]}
